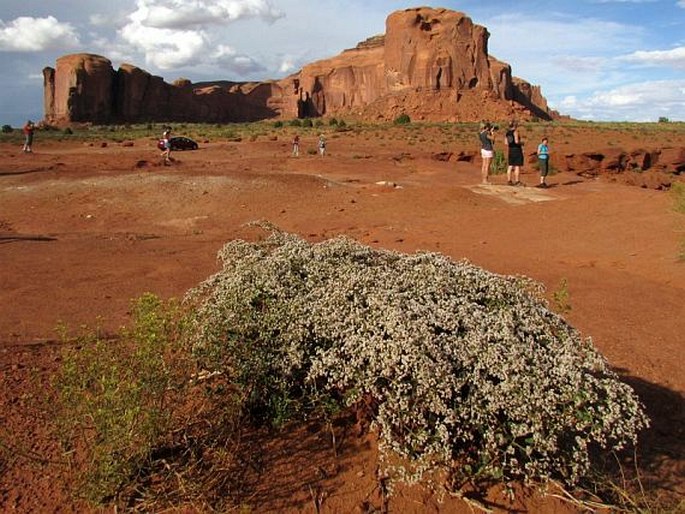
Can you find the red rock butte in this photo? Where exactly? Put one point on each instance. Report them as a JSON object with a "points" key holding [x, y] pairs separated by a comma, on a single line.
{"points": [[431, 64]]}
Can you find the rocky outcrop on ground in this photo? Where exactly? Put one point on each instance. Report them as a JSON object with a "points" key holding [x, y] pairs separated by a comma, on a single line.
{"points": [[432, 64], [655, 168]]}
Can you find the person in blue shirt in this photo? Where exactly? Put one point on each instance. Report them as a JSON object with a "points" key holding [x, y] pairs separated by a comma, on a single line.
{"points": [[543, 162]]}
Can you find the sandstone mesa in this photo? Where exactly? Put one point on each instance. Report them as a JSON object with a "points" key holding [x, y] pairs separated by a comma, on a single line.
{"points": [[432, 64]]}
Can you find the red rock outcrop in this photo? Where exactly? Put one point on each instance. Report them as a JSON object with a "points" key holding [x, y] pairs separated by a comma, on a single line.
{"points": [[79, 89], [431, 64]]}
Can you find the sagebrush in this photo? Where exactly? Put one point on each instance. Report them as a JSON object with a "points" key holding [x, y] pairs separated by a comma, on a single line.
{"points": [[469, 372]]}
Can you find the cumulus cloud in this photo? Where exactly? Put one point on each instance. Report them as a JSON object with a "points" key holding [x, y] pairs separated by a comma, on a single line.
{"points": [[166, 48], [227, 58], [183, 14], [645, 101], [26, 34], [178, 33], [674, 58]]}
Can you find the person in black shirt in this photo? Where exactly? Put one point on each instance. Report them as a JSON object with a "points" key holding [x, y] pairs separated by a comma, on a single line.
{"points": [[515, 154]]}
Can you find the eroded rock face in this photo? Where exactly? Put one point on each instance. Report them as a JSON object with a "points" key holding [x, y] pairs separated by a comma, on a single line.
{"points": [[432, 64], [79, 88]]}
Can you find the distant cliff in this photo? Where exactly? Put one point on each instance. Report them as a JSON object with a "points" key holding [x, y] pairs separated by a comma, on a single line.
{"points": [[432, 64]]}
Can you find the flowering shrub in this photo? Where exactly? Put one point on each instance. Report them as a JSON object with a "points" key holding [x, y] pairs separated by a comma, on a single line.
{"points": [[469, 371]]}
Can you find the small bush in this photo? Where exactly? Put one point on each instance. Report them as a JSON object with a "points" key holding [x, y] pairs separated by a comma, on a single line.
{"points": [[561, 298], [307, 122], [333, 122], [678, 193], [68, 131], [117, 398], [499, 163], [295, 123], [467, 371], [7, 129], [402, 119], [278, 124], [341, 123]]}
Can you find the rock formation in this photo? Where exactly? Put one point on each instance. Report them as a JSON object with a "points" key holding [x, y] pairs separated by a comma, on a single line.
{"points": [[431, 64]]}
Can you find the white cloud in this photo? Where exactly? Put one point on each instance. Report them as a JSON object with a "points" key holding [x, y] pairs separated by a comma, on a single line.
{"points": [[99, 20], [166, 48], [226, 57], [674, 58], [681, 3], [287, 65], [645, 101], [26, 34], [180, 33], [180, 14], [579, 64]]}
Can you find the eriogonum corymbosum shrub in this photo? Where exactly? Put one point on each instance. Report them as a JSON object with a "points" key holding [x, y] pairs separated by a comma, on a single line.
{"points": [[469, 371]]}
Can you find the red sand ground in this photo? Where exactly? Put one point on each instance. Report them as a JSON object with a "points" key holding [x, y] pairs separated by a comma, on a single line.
{"points": [[85, 228]]}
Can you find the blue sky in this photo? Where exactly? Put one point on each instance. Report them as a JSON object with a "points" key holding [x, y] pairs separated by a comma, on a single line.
{"points": [[602, 60]]}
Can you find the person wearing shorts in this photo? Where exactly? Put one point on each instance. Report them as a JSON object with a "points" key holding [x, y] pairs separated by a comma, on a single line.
{"points": [[166, 138], [514, 155], [543, 162], [487, 152]]}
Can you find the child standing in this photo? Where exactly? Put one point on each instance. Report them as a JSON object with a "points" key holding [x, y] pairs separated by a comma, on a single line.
{"points": [[543, 162]]}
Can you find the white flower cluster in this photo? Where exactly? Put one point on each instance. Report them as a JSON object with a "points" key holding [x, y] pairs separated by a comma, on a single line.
{"points": [[469, 370]]}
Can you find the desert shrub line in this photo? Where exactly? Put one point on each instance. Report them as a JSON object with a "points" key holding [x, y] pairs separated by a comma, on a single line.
{"points": [[469, 371]]}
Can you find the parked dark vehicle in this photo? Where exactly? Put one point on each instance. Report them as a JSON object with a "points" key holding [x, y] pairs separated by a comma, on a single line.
{"points": [[179, 143]]}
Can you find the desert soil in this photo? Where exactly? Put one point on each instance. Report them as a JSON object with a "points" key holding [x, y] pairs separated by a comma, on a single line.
{"points": [[85, 228]]}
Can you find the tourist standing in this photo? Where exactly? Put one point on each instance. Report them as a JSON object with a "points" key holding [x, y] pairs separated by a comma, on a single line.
{"points": [[543, 161], [29, 129], [487, 140], [166, 140], [322, 145], [514, 144], [296, 145]]}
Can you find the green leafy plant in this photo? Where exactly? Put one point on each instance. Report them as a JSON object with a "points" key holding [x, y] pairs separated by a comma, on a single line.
{"points": [[499, 163], [561, 297], [117, 397], [402, 119]]}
